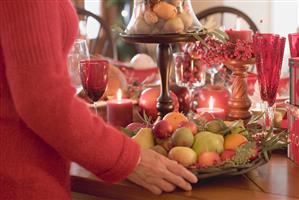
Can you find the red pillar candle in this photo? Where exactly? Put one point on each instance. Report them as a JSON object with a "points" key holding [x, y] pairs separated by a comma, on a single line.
{"points": [[245, 35], [219, 93], [119, 111], [216, 112]]}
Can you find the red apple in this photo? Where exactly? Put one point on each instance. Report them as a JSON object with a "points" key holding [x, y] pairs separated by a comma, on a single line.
{"points": [[162, 129], [183, 96], [227, 154], [135, 126], [189, 124], [148, 101], [207, 159], [220, 94]]}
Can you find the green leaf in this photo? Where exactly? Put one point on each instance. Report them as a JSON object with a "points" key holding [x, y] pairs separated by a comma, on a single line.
{"points": [[222, 33], [197, 37], [218, 36]]}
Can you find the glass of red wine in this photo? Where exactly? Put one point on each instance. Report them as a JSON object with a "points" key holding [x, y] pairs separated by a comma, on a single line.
{"points": [[94, 78], [268, 50]]}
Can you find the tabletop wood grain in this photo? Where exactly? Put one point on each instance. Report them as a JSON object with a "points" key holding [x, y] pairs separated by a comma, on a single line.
{"points": [[277, 180]]}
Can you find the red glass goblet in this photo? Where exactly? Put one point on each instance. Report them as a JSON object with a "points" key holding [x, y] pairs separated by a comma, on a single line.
{"points": [[94, 78], [268, 50], [294, 44]]}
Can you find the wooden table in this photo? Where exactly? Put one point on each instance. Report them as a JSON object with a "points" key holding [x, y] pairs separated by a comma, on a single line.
{"points": [[277, 180]]}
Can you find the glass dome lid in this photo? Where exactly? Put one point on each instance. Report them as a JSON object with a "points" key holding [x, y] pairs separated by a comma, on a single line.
{"points": [[162, 17]]}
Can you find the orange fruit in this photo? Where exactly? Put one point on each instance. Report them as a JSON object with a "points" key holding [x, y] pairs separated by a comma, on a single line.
{"points": [[234, 140], [175, 118]]}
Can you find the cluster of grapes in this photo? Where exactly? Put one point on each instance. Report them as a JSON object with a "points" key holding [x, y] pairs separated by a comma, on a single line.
{"points": [[210, 51], [213, 51], [186, 72], [240, 50]]}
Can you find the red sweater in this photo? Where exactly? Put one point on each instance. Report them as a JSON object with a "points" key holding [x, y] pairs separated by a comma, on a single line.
{"points": [[42, 124]]}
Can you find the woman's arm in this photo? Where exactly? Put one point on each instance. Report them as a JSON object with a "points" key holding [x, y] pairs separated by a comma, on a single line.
{"points": [[32, 41]]}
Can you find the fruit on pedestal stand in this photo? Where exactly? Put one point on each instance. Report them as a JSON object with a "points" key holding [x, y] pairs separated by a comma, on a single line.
{"points": [[183, 97], [219, 93], [148, 101], [175, 118], [144, 138], [183, 137], [207, 159], [183, 155], [227, 154], [135, 126], [234, 140], [206, 141], [189, 124], [162, 129]]}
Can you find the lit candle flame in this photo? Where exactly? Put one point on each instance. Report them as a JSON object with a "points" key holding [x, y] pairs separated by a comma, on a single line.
{"points": [[211, 103], [118, 95]]}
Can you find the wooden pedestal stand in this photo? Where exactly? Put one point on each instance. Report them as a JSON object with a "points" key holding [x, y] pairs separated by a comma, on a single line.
{"points": [[164, 61], [239, 102]]}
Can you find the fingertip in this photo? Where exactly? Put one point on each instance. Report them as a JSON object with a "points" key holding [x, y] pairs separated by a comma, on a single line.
{"points": [[157, 192], [189, 187], [194, 179]]}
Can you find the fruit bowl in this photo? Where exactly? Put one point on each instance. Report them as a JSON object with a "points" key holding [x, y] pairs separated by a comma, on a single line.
{"points": [[207, 146], [230, 170]]}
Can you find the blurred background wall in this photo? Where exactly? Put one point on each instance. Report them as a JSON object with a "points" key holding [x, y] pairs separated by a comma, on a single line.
{"points": [[277, 16]]}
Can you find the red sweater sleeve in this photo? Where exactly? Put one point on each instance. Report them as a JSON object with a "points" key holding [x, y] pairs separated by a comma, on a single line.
{"points": [[31, 37]]}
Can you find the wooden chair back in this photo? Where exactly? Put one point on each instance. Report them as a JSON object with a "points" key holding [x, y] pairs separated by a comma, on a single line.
{"points": [[222, 11], [103, 43]]}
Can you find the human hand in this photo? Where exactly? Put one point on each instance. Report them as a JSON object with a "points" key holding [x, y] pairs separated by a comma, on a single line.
{"points": [[158, 173]]}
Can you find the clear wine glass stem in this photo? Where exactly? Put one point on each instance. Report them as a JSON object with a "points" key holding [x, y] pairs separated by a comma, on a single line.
{"points": [[270, 110], [95, 107], [190, 90], [212, 78], [268, 116]]}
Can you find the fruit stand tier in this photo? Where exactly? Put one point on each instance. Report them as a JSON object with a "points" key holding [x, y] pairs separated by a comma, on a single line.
{"points": [[276, 180], [158, 38], [164, 61]]}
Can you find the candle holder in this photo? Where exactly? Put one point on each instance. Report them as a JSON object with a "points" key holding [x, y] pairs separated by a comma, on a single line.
{"points": [[239, 102], [164, 61]]}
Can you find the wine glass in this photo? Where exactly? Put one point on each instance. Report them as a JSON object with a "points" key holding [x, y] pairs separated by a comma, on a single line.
{"points": [[78, 52], [189, 72], [294, 44], [94, 78], [213, 69], [268, 50]]}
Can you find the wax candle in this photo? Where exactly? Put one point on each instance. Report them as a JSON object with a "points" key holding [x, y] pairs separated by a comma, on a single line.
{"points": [[217, 112], [240, 34], [119, 111], [220, 94]]}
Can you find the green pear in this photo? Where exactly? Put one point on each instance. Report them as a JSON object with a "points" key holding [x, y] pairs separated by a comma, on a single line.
{"points": [[144, 138], [207, 141]]}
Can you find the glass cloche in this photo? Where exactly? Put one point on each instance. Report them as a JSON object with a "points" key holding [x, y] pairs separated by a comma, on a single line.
{"points": [[162, 17]]}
